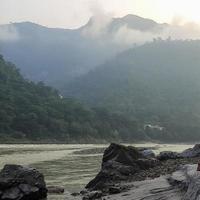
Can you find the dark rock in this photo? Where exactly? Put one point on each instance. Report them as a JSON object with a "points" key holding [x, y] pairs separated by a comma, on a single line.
{"points": [[93, 195], [119, 164], [82, 192], [147, 163], [12, 193], [188, 153], [55, 190], [122, 154], [191, 152], [114, 190], [166, 155], [21, 183], [27, 189]]}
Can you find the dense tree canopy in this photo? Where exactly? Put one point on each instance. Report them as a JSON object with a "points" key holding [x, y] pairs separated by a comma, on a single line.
{"points": [[30, 111], [157, 83]]}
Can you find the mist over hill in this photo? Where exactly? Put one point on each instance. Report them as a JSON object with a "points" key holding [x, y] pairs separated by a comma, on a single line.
{"points": [[56, 56], [157, 83], [134, 71], [33, 112]]}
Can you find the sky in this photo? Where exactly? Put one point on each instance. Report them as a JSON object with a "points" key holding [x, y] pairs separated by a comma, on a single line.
{"points": [[75, 13]]}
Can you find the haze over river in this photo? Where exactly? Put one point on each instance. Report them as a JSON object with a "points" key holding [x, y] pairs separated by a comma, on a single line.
{"points": [[71, 166]]}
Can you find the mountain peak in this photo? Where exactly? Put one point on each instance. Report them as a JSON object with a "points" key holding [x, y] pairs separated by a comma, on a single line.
{"points": [[134, 22], [133, 17], [130, 20]]}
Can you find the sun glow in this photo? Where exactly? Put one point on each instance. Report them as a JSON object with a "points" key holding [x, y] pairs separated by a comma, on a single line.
{"points": [[45, 12], [188, 10]]}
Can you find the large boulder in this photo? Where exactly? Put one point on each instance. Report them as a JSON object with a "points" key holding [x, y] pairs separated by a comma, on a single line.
{"points": [[118, 164], [21, 183], [188, 180], [122, 154], [191, 152]]}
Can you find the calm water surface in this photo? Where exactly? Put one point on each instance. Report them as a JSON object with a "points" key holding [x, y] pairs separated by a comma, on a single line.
{"points": [[71, 166]]}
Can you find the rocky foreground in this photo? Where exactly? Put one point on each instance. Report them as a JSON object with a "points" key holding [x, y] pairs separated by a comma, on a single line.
{"points": [[131, 173], [21, 183], [126, 173]]}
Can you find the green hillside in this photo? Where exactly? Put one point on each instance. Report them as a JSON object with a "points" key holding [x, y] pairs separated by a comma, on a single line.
{"points": [[35, 112], [157, 83]]}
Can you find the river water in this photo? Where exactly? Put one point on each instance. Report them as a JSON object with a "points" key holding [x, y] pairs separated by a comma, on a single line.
{"points": [[71, 166]]}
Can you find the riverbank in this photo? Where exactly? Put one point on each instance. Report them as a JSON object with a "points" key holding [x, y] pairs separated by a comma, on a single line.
{"points": [[183, 184], [125, 167], [67, 165]]}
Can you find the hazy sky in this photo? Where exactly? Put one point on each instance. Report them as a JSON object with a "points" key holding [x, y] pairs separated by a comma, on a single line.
{"points": [[74, 13]]}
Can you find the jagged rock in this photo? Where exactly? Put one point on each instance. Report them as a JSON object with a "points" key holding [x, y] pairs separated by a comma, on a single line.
{"points": [[121, 154], [188, 179], [192, 152], [118, 164], [147, 163], [188, 153], [170, 187], [193, 183], [166, 155], [82, 192], [114, 190], [21, 183], [93, 195], [155, 189], [12, 193]]}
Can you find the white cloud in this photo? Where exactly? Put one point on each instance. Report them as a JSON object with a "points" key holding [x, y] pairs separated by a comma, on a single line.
{"points": [[99, 22]]}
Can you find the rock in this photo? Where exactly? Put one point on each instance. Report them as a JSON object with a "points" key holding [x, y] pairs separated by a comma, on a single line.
{"points": [[55, 190], [93, 195], [193, 183], [147, 163], [121, 154], [119, 163], [114, 190], [26, 189], [155, 189], [82, 192], [148, 153], [166, 155], [188, 153], [179, 179], [191, 152], [188, 179], [21, 183], [12, 193]]}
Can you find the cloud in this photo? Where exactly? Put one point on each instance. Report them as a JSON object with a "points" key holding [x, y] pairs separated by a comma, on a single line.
{"points": [[8, 33], [188, 30], [127, 37], [124, 36], [98, 23]]}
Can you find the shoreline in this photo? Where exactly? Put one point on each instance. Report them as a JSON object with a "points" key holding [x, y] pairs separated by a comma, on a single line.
{"points": [[122, 166], [97, 143]]}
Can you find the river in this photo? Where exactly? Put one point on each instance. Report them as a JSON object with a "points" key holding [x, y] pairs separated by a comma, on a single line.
{"points": [[71, 166]]}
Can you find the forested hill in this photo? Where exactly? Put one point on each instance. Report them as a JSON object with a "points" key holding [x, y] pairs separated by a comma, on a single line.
{"points": [[157, 83], [56, 56], [35, 112]]}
